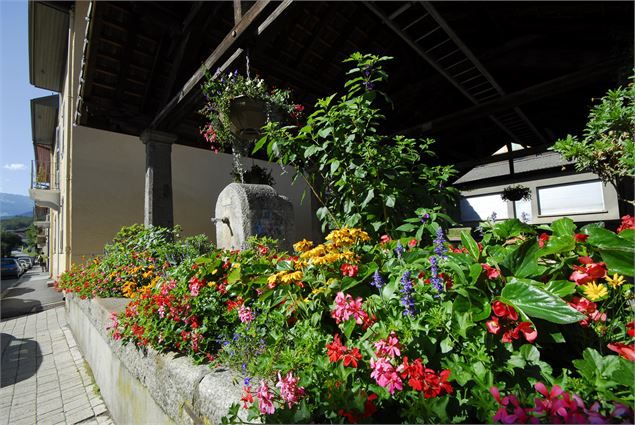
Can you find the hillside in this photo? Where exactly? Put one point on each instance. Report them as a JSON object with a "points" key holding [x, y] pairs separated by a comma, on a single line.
{"points": [[15, 205]]}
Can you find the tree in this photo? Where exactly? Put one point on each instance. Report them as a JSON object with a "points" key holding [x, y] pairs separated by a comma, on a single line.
{"points": [[10, 241], [606, 147]]}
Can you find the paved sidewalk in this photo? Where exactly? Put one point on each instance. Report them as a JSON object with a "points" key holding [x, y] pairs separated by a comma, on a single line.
{"points": [[44, 377]]}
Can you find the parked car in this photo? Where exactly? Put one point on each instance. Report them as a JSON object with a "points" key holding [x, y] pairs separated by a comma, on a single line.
{"points": [[29, 260], [10, 268], [24, 263]]}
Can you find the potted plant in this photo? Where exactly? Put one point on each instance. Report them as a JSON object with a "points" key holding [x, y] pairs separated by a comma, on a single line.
{"points": [[516, 193], [237, 107]]}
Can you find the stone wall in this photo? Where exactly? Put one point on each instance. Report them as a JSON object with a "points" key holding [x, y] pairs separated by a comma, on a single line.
{"points": [[145, 386]]}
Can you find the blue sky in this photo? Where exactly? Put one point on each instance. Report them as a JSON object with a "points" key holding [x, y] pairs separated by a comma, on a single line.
{"points": [[16, 146]]}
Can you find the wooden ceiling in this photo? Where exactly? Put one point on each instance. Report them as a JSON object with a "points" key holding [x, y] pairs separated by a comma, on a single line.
{"points": [[472, 75]]}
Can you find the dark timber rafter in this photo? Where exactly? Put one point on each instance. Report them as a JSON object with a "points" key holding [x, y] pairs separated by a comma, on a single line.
{"points": [[452, 59], [253, 22]]}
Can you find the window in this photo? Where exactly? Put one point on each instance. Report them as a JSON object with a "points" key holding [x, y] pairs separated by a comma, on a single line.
{"points": [[576, 198], [478, 208]]}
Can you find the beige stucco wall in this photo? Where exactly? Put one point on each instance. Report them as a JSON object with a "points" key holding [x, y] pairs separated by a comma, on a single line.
{"points": [[198, 177]]}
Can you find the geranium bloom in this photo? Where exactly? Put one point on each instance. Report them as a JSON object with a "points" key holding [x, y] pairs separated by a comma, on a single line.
{"points": [[352, 357], [349, 270], [289, 390], [542, 239], [594, 291], [627, 223], [262, 250], [247, 396], [388, 347], [503, 310], [245, 314], [195, 286], [385, 374], [492, 273], [624, 350], [384, 239], [345, 307], [265, 399], [335, 350]]}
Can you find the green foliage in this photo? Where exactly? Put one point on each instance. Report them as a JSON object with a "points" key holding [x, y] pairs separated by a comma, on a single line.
{"points": [[606, 147], [10, 241], [15, 222], [255, 175], [362, 178]]}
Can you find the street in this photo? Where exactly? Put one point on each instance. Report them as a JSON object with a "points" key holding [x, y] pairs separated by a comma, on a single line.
{"points": [[28, 294]]}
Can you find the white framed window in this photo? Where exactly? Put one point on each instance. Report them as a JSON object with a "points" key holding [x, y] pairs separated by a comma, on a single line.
{"points": [[574, 198], [478, 208]]}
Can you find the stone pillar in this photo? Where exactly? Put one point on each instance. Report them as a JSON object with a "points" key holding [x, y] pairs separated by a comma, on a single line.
{"points": [[158, 209]]}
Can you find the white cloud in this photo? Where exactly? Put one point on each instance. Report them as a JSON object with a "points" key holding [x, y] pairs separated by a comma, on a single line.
{"points": [[15, 167]]}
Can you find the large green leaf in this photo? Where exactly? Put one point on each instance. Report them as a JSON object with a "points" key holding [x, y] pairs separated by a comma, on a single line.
{"points": [[616, 251], [470, 244], [511, 228], [558, 244], [521, 262], [534, 301], [561, 288], [563, 227]]}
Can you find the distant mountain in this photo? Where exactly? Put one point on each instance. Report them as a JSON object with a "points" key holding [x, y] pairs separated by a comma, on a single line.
{"points": [[15, 205]]}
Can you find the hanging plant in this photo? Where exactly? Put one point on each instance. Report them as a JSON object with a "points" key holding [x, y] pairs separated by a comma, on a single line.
{"points": [[237, 107], [516, 193]]}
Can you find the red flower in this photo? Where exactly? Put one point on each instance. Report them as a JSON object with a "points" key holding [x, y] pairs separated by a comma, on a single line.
{"points": [[384, 238], [262, 250], [627, 223], [352, 358], [412, 243], [492, 273], [631, 329], [369, 406], [247, 396], [503, 310], [349, 270], [335, 350], [298, 108], [542, 240], [528, 332], [588, 271], [493, 326], [581, 237], [626, 351]]}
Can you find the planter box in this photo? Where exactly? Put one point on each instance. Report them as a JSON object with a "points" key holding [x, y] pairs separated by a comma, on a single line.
{"points": [[145, 386]]}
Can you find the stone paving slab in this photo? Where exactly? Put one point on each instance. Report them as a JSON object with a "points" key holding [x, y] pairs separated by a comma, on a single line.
{"points": [[44, 377]]}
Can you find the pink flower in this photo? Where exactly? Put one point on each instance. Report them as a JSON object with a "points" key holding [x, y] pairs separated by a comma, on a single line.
{"points": [[385, 374], [289, 390], [384, 238], [196, 340], [588, 308], [345, 307], [412, 243], [265, 399], [542, 240], [195, 286], [624, 350], [388, 347], [245, 314], [588, 271], [493, 326], [627, 223]]}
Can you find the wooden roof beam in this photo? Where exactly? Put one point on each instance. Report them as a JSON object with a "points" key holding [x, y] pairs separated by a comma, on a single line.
{"points": [[254, 19], [530, 94]]}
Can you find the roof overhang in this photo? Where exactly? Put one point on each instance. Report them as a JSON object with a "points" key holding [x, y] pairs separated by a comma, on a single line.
{"points": [[44, 119], [48, 41]]}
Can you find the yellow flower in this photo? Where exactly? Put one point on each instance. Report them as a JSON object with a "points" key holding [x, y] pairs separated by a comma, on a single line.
{"points": [[345, 236], [299, 265], [315, 252], [214, 271], [211, 284], [291, 277], [326, 259], [272, 280], [615, 281], [303, 245], [147, 274], [595, 292]]}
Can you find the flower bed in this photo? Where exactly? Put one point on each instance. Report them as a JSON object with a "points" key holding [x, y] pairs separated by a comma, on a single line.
{"points": [[527, 325]]}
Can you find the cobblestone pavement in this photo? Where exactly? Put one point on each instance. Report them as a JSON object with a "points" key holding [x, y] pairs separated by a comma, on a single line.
{"points": [[44, 378]]}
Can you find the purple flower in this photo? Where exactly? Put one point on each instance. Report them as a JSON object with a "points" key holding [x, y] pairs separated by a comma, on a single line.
{"points": [[377, 282], [369, 86], [425, 217], [407, 299], [439, 244], [435, 280], [399, 250]]}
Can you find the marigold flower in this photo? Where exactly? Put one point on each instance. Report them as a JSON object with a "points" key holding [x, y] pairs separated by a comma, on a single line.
{"points": [[303, 246], [615, 281], [594, 291]]}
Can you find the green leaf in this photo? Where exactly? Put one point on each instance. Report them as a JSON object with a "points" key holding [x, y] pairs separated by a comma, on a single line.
{"points": [[260, 144], [234, 275], [470, 244], [537, 302], [334, 166], [561, 288], [369, 197], [446, 345], [511, 228], [558, 244], [563, 227], [349, 325], [475, 272], [521, 262], [325, 132], [311, 150], [616, 251], [390, 201]]}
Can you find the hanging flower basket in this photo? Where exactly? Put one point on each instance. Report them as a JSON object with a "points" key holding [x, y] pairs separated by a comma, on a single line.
{"points": [[248, 115], [516, 193]]}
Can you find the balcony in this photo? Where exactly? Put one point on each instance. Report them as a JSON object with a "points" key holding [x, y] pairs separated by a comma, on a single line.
{"points": [[40, 190], [41, 217]]}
